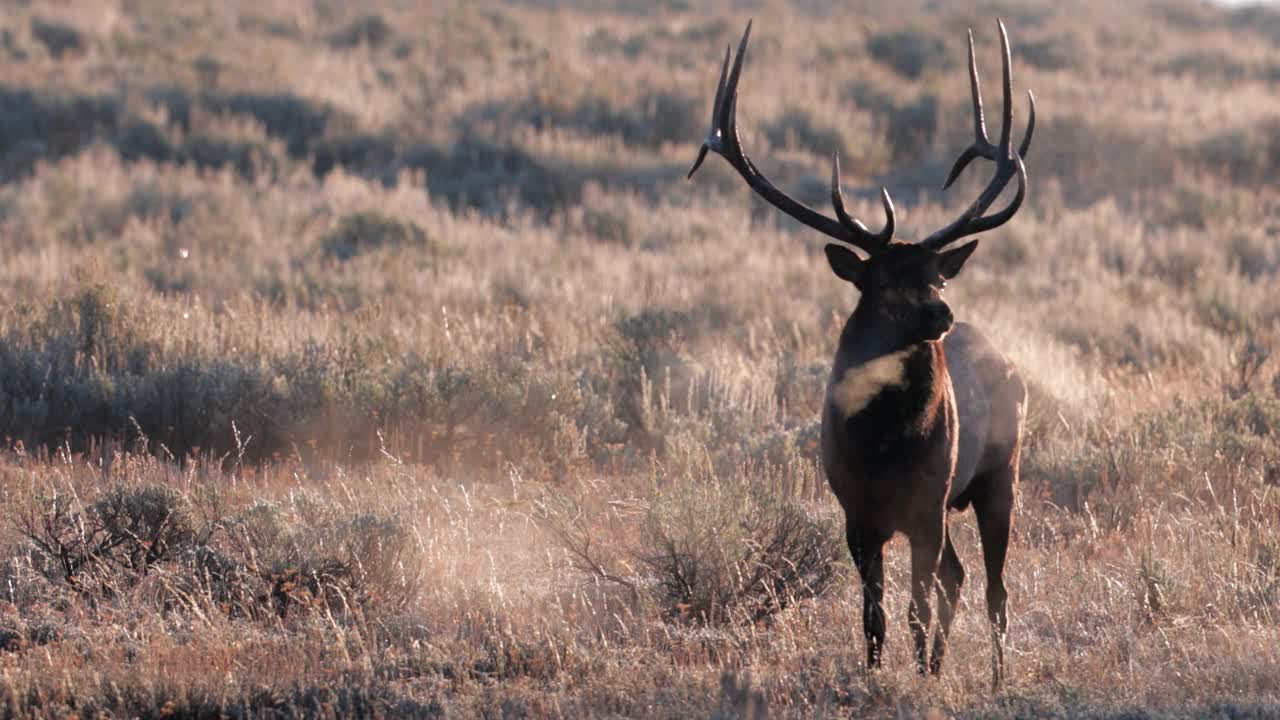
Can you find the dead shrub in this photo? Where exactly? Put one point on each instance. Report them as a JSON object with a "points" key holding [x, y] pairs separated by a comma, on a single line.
{"points": [[58, 38], [1206, 65], [316, 554], [1062, 50], [1249, 155], [798, 129], [127, 528], [1247, 361], [370, 30], [730, 553], [145, 525], [706, 555], [651, 120], [644, 347], [1256, 255], [265, 559], [1186, 449], [910, 125], [368, 231], [46, 126], [911, 53]]}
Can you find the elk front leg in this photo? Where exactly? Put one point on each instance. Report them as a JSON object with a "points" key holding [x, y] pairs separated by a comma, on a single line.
{"points": [[926, 552], [867, 549]]}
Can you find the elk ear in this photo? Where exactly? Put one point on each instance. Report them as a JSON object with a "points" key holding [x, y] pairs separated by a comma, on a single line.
{"points": [[950, 262], [844, 263]]}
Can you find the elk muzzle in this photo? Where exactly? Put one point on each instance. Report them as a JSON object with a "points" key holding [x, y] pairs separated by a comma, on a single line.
{"points": [[935, 319]]}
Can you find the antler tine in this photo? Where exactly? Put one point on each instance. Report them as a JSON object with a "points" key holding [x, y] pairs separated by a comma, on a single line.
{"points": [[724, 141], [982, 146], [1008, 163], [729, 110], [715, 111], [975, 87], [724, 79], [847, 220], [1006, 119], [1031, 126], [990, 222]]}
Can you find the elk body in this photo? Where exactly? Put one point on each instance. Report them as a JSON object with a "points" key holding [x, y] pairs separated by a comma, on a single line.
{"points": [[922, 414]]}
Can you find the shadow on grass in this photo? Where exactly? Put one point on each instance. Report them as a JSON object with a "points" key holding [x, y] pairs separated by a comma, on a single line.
{"points": [[354, 698], [492, 170], [87, 371]]}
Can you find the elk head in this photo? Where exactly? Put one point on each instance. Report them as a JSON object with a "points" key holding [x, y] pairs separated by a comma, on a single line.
{"points": [[900, 284]]}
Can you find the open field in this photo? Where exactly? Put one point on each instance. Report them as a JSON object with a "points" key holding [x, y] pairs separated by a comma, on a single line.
{"points": [[376, 359]]}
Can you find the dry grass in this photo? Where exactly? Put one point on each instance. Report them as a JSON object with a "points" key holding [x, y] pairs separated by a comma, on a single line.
{"points": [[378, 360]]}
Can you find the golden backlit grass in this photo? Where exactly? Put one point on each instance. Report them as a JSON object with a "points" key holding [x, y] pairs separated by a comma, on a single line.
{"points": [[436, 267]]}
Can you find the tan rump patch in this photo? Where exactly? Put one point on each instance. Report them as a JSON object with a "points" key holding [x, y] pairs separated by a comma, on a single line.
{"points": [[861, 383]]}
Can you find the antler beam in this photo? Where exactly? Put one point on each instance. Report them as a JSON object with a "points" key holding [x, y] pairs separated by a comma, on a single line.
{"points": [[724, 141], [1008, 165]]}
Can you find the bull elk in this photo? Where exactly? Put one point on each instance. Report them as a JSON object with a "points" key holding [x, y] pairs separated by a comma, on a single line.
{"points": [[922, 414]]}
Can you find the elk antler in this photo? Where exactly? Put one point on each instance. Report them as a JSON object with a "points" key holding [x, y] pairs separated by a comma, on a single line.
{"points": [[723, 140], [972, 221]]}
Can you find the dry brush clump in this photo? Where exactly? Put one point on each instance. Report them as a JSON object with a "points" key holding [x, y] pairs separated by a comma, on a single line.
{"points": [[200, 556], [726, 553], [742, 555]]}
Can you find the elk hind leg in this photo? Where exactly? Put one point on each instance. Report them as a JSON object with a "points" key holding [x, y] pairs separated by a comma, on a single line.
{"points": [[950, 580], [994, 508], [926, 553]]}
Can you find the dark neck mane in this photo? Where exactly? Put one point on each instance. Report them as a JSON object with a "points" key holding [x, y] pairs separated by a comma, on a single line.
{"points": [[888, 388]]}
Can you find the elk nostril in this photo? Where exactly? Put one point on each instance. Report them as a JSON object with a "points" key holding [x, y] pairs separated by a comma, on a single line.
{"points": [[940, 316]]}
